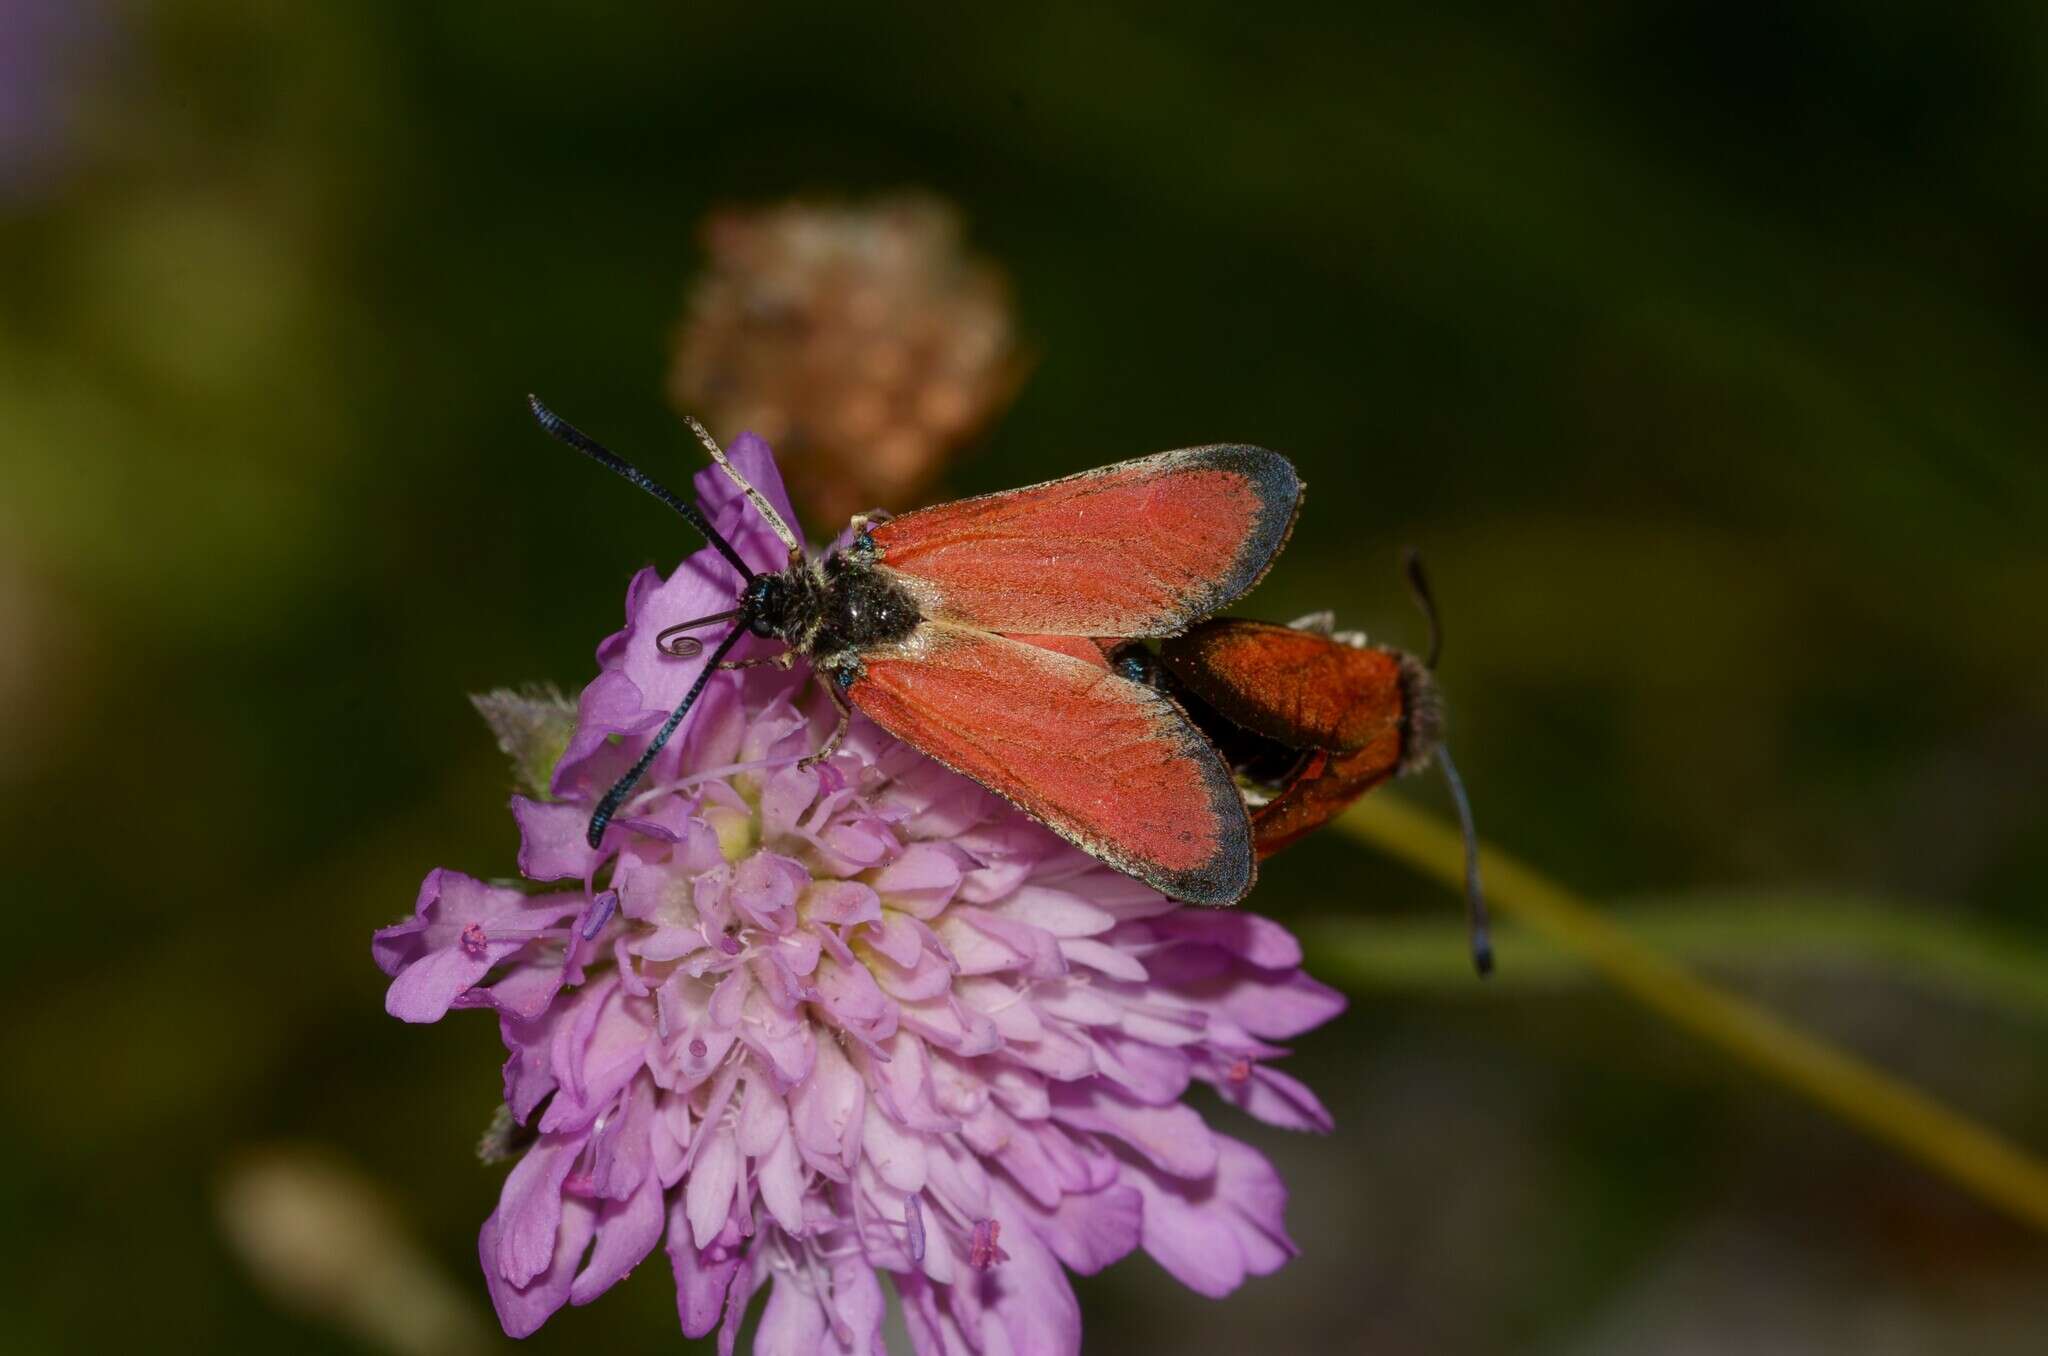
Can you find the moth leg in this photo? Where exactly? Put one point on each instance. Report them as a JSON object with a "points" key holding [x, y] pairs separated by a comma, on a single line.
{"points": [[839, 733], [785, 661]]}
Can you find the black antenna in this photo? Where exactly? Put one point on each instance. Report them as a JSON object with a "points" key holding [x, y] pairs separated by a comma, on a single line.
{"points": [[1475, 899], [1418, 586], [623, 787], [676, 645], [611, 461]]}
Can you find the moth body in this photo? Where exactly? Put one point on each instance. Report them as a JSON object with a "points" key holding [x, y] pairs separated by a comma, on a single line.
{"points": [[968, 631]]}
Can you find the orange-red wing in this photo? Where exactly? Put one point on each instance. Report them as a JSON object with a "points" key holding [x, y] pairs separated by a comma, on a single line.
{"points": [[1141, 548], [1321, 789], [1357, 714], [1303, 689], [1108, 764], [1094, 653]]}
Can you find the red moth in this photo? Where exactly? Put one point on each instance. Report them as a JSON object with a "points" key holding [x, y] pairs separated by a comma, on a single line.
{"points": [[1310, 718], [964, 630]]}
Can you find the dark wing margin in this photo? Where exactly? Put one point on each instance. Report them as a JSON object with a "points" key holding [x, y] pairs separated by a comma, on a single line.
{"points": [[1110, 765], [1142, 548]]}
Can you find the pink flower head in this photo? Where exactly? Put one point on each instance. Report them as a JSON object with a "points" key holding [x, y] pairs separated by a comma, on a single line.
{"points": [[807, 1026]]}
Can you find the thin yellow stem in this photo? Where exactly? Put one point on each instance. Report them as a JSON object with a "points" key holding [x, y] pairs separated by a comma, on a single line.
{"points": [[1880, 1105]]}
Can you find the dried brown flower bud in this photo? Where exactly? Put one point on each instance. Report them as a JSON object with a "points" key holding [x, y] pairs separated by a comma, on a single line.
{"points": [[863, 342]]}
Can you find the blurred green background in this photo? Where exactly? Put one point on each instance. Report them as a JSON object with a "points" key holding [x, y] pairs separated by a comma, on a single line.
{"points": [[1699, 346]]}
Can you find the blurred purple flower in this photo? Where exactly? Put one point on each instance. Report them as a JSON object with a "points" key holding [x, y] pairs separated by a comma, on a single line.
{"points": [[811, 1024], [47, 48]]}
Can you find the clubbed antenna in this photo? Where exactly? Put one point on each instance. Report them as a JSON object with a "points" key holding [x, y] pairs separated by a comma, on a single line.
{"points": [[1425, 601], [754, 496], [1475, 899], [611, 461]]}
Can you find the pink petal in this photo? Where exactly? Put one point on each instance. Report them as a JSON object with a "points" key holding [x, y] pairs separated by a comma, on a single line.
{"points": [[1197, 1246], [949, 1025], [973, 950], [1055, 911], [1032, 1301], [745, 1282], [1159, 1025], [523, 990], [667, 943], [529, 1210], [552, 845], [703, 1276], [460, 929], [784, 799], [1152, 1074], [1086, 1165], [1261, 941], [856, 1308], [898, 1155], [710, 1184], [1278, 1098], [798, 951], [1079, 1004], [528, 1075], [426, 988], [610, 705], [786, 1047], [728, 1000], [895, 936], [1088, 1231], [826, 1110], [1024, 1157], [840, 902], [1280, 1008], [903, 1085], [922, 881], [857, 842], [669, 1139], [1038, 951], [792, 1324], [1022, 1094], [958, 1179], [1211, 1234], [523, 1308], [626, 1232], [1256, 1194], [1173, 1138], [781, 1179], [763, 1118], [598, 1054], [622, 1152], [1014, 1015], [933, 1331], [850, 994], [764, 888], [926, 978], [1057, 1054], [1110, 960]]}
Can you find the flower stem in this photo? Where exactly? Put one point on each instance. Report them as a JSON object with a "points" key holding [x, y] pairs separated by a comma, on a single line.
{"points": [[1770, 932], [1895, 1112]]}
